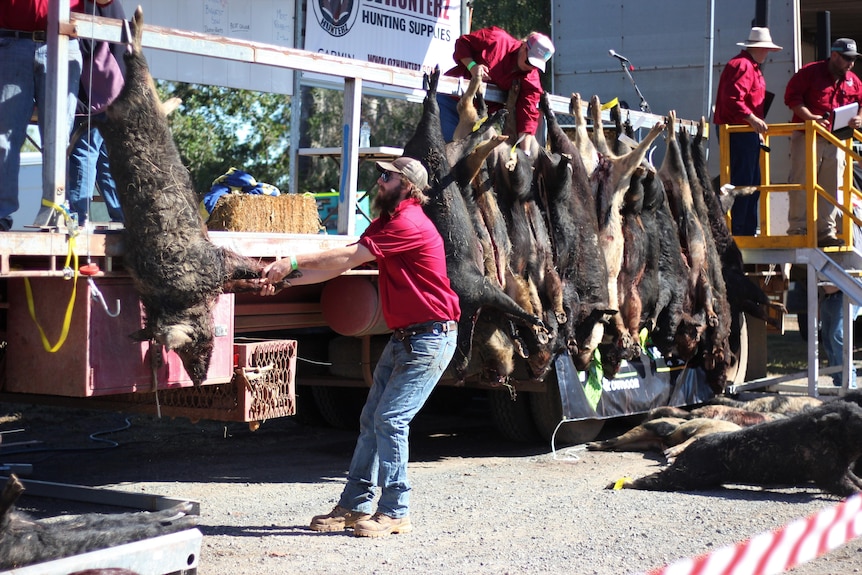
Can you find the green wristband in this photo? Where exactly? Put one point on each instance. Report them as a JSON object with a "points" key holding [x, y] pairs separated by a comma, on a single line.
{"points": [[293, 265], [470, 65]]}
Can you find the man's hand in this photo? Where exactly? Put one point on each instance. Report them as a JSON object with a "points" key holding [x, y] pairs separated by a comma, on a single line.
{"points": [[273, 273], [759, 125]]}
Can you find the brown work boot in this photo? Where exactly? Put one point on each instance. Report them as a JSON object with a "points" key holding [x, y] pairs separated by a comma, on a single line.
{"points": [[336, 520], [381, 525]]}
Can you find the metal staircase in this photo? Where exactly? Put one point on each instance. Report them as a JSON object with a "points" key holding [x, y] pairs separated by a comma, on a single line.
{"points": [[840, 266]]}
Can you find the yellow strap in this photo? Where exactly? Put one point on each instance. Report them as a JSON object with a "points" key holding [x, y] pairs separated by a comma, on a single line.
{"points": [[479, 123], [71, 255], [611, 104], [620, 482]]}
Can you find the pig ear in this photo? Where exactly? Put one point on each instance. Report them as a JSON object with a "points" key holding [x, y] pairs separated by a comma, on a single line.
{"points": [[176, 336], [171, 104]]}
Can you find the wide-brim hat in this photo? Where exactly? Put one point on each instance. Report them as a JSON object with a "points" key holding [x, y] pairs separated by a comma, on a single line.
{"points": [[759, 38], [539, 50], [410, 168]]}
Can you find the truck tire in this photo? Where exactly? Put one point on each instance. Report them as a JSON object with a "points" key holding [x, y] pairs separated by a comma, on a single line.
{"points": [[547, 411], [512, 418], [340, 407], [306, 408]]}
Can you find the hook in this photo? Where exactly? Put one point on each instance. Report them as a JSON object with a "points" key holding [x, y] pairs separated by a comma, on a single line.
{"points": [[97, 296]]}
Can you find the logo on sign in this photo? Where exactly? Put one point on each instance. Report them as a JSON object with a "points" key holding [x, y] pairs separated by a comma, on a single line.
{"points": [[336, 17]]}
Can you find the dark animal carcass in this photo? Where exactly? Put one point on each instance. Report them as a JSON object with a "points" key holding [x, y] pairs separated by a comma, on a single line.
{"points": [[700, 304], [26, 541], [820, 445], [671, 435], [716, 352], [448, 210], [177, 271], [611, 181], [562, 190]]}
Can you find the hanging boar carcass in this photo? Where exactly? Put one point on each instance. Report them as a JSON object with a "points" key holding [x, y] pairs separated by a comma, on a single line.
{"points": [[177, 271]]}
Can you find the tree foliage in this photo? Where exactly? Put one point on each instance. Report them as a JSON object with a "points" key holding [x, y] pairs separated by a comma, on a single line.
{"points": [[218, 128], [518, 17], [392, 123]]}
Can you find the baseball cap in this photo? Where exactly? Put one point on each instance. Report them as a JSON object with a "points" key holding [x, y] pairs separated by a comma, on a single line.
{"points": [[845, 46], [411, 169], [539, 50]]}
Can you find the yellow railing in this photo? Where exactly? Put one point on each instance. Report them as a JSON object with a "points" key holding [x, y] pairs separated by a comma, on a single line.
{"points": [[769, 237]]}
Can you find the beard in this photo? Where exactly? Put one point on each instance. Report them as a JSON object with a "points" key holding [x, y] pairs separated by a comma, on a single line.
{"points": [[386, 202]]}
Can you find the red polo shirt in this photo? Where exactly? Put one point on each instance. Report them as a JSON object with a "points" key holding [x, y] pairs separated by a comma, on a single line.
{"points": [[414, 286], [741, 91], [498, 50], [29, 15], [815, 87]]}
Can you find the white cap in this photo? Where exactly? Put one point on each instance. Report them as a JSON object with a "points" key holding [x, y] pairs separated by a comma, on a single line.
{"points": [[539, 50]]}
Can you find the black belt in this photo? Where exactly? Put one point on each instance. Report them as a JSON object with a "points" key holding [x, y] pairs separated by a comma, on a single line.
{"points": [[405, 333], [37, 36]]}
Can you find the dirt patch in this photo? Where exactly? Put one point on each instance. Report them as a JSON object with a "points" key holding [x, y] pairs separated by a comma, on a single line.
{"points": [[480, 504]]}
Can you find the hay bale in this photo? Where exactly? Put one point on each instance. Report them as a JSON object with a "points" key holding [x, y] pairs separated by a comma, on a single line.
{"points": [[287, 213]]}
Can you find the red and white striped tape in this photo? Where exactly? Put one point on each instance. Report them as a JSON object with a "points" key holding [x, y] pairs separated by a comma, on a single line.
{"points": [[779, 550]]}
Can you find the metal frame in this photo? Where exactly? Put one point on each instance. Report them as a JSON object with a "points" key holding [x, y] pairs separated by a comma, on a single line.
{"points": [[175, 553], [840, 265], [359, 77]]}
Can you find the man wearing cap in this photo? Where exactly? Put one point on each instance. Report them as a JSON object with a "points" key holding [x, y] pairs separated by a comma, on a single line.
{"points": [[422, 310], [741, 100], [813, 92], [500, 59]]}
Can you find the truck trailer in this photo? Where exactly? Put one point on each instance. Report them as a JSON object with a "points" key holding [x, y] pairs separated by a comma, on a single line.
{"points": [[66, 322]]}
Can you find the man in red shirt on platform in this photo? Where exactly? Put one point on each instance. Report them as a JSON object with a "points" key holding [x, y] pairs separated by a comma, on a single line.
{"points": [[813, 92], [501, 59], [740, 100], [24, 53], [422, 310]]}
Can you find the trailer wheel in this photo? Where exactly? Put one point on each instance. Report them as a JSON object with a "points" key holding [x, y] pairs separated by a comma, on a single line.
{"points": [[340, 406], [307, 412], [512, 418], [739, 349], [547, 410]]}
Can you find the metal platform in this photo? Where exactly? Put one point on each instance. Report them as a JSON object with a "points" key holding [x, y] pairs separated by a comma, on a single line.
{"points": [[838, 265], [177, 553]]}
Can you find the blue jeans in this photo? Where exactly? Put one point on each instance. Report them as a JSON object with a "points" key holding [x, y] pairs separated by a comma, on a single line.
{"points": [[832, 328], [448, 115], [402, 383], [88, 166], [22, 86]]}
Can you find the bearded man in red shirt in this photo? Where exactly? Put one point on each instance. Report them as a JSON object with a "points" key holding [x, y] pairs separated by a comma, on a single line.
{"points": [[813, 92]]}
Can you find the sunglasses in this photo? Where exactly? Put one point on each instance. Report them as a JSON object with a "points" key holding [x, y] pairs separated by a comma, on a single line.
{"points": [[386, 176], [850, 59]]}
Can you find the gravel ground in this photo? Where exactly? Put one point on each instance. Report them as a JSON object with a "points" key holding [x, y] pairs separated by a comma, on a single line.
{"points": [[481, 504]]}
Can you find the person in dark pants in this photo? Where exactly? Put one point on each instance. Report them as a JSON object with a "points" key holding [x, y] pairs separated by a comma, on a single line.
{"points": [[501, 60], [741, 100], [422, 310], [101, 82], [23, 81]]}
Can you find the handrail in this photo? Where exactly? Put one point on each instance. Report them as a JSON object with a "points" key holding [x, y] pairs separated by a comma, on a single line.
{"points": [[768, 238]]}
